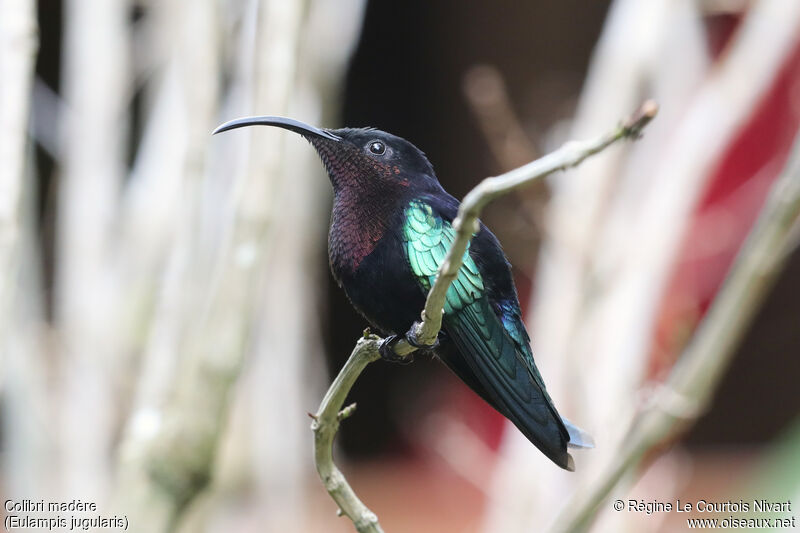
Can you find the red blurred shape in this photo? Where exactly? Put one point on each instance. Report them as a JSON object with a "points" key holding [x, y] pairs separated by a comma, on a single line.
{"points": [[722, 219]]}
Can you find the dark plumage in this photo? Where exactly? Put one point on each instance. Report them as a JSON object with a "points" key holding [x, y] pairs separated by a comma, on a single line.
{"points": [[390, 230]]}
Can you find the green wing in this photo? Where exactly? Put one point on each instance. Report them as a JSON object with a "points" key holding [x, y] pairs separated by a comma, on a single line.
{"points": [[427, 239]]}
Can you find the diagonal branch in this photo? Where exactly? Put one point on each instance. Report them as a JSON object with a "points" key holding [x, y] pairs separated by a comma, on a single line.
{"points": [[698, 372], [326, 421], [325, 426]]}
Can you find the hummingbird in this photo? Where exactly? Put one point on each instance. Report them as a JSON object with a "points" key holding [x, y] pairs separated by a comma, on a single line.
{"points": [[391, 228]]}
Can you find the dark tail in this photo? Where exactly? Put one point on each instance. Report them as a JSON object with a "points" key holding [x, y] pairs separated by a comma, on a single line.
{"points": [[486, 359]]}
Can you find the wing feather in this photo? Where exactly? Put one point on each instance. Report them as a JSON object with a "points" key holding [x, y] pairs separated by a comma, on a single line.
{"points": [[494, 350]]}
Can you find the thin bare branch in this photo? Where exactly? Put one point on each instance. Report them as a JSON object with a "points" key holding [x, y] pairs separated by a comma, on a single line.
{"points": [[325, 426], [17, 53], [488, 99], [694, 379]]}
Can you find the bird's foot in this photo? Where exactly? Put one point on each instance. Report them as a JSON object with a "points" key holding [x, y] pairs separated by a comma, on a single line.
{"points": [[386, 349], [412, 339]]}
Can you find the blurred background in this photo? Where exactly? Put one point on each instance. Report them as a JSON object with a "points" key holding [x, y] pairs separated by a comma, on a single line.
{"points": [[167, 317]]}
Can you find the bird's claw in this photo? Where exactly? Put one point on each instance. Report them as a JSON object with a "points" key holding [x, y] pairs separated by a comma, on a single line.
{"points": [[412, 339], [386, 349], [387, 352]]}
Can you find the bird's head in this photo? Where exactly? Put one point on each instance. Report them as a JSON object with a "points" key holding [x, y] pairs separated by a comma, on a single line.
{"points": [[357, 157]]}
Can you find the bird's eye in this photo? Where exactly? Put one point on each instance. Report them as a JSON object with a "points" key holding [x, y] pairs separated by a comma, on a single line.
{"points": [[377, 147]]}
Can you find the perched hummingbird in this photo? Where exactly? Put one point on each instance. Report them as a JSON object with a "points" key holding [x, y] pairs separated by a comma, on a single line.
{"points": [[391, 228]]}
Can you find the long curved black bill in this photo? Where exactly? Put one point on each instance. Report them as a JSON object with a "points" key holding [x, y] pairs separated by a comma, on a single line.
{"points": [[280, 122]]}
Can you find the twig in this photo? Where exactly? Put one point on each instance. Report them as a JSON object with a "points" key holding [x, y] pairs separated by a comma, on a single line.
{"points": [[325, 426], [326, 421], [698, 372], [488, 99]]}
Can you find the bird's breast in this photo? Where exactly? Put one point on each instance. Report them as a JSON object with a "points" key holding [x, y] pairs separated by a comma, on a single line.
{"points": [[350, 241], [367, 260], [360, 220]]}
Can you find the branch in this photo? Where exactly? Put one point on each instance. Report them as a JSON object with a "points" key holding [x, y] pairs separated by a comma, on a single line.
{"points": [[325, 426], [28, 442], [326, 421], [488, 98], [95, 82], [695, 377], [204, 325]]}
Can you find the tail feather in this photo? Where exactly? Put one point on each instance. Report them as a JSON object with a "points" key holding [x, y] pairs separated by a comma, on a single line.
{"points": [[491, 357], [578, 438]]}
